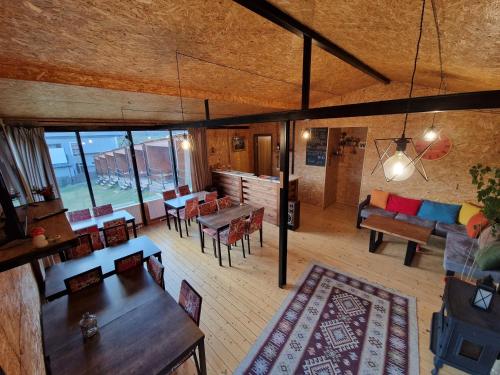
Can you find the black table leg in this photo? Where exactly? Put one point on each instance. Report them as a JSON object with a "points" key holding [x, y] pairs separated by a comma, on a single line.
{"points": [[201, 353], [374, 244], [134, 228], [179, 222], [202, 240], [218, 248], [410, 252], [158, 256], [168, 217]]}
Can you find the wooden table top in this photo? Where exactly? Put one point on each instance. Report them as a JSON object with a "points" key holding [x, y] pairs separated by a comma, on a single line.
{"points": [[55, 275], [398, 228], [142, 329], [100, 220], [223, 218], [180, 202], [22, 251]]}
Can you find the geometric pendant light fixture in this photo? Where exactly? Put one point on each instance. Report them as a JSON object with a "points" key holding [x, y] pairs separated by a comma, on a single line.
{"points": [[397, 156]]}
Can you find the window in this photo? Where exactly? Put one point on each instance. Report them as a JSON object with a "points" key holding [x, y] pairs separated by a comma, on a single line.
{"points": [[183, 159], [109, 163], [67, 168], [75, 150], [154, 163]]}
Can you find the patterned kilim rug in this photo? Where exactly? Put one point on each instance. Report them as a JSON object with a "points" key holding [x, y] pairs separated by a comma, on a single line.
{"points": [[337, 324]]}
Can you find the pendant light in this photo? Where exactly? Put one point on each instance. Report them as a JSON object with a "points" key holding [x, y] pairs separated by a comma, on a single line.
{"points": [[306, 134], [400, 166], [186, 143]]}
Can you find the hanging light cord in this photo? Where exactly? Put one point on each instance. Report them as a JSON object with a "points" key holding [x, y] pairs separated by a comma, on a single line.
{"points": [[440, 51], [179, 81], [415, 64]]}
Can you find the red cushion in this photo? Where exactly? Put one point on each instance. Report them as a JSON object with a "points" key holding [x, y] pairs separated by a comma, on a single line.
{"points": [[403, 205]]}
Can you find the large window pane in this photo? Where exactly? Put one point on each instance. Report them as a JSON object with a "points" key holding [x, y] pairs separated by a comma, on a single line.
{"points": [[110, 168], [182, 156], [68, 168], [154, 163]]}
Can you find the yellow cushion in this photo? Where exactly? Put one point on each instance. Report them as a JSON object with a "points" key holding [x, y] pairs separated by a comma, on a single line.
{"points": [[466, 212], [379, 198]]}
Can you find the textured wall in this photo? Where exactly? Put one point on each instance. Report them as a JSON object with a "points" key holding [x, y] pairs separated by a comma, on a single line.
{"points": [[20, 333], [474, 134]]}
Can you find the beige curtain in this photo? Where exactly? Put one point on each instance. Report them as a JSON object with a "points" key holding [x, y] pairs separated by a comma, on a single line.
{"points": [[200, 173], [32, 157]]}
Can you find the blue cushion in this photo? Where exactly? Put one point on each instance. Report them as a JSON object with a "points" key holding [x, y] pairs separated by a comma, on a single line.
{"points": [[441, 212]]}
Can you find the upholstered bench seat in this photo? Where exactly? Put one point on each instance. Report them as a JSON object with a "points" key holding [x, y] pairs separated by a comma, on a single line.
{"points": [[443, 229], [416, 220], [368, 211]]}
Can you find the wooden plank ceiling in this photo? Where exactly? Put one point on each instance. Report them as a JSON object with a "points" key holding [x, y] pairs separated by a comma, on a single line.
{"points": [[117, 59]]}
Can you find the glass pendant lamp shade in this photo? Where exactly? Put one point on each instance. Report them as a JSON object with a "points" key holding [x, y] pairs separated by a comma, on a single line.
{"points": [[185, 144], [398, 167], [431, 134], [306, 134]]}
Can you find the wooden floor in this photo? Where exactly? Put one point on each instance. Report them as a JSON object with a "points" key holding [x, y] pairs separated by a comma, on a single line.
{"points": [[239, 301]]}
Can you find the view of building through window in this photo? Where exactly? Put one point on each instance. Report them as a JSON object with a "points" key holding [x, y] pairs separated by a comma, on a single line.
{"points": [[110, 167]]}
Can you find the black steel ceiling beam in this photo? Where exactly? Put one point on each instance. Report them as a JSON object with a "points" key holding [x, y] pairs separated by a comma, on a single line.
{"points": [[280, 18], [449, 102]]}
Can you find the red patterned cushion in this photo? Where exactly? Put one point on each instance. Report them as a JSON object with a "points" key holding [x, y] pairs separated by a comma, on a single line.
{"points": [[403, 205], [156, 270], [184, 190], [254, 223], [79, 215], [83, 280], [105, 209], [128, 262], [210, 197], [169, 194], [115, 232], [82, 249], [190, 301], [207, 208], [234, 233], [191, 210], [224, 203], [95, 235]]}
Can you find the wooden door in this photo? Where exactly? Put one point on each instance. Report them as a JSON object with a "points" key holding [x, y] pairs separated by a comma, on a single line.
{"points": [[263, 155]]}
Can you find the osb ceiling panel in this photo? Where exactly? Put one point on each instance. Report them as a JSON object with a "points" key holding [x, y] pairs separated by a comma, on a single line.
{"points": [[384, 33], [25, 99]]}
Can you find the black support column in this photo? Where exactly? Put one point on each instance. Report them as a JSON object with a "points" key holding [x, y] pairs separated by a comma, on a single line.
{"points": [[284, 179], [137, 177], [85, 168], [306, 72]]}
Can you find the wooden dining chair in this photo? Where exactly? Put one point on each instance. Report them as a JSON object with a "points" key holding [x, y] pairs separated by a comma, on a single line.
{"points": [[83, 280], [209, 197], [115, 232], [253, 224], [83, 248], [105, 209], [190, 300], [205, 209], [167, 195], [224, 203], [79, 215], [95, 236], [156, 270], [184, 190], [129, 261], [190, 211], [232, 235]]}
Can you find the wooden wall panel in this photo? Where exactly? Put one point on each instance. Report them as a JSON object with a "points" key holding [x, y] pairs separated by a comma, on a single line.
{"points": [[20, 332]]}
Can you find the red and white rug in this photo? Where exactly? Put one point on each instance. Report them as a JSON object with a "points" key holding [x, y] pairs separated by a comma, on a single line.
{"points": [[334, 323]]}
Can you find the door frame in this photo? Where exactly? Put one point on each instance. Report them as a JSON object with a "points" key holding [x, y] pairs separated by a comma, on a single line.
{"points": [[255, 150]]}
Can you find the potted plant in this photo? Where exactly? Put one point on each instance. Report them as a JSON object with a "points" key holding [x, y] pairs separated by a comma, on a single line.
{"points": [[487, 181], [47, 192]]}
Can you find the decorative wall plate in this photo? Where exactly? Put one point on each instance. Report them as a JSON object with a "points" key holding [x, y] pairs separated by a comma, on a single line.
{"points": [[437, 151]]}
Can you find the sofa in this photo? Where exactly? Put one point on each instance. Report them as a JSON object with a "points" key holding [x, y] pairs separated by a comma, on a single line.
{"points": [[459, 249]]}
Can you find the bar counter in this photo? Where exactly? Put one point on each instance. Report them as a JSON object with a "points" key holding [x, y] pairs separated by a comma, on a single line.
{"points": [[256, 191]]}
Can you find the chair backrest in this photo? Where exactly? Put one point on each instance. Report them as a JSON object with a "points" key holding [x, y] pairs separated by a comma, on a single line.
{"points": [[224, 203], [169, 194], [79, 215], [207, 208], [115, 231], [184, 190], [191, 208], [83, 280], [95, 236], [128, 262], [156, 269], [105, 209], [190, 301], [256, 219], [83, 248], [209, 197], [236, 230]]}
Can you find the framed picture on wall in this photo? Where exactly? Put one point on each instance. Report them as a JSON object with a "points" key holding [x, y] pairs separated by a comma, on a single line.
{"points": [[239, 144]]}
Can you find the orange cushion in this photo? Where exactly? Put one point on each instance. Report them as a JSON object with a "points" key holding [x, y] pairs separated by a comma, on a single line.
{"points": [[476, 224], [379, 198]]}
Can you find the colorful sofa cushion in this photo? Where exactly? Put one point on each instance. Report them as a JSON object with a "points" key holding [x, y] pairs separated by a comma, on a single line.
{"points": [[476, 224], [488, 258], [441, 212], [379, 198], [403, 205], [467, 211]]}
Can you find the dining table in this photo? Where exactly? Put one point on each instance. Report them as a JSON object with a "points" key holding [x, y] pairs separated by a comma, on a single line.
{"points": [[57, 273], [141, 329], [179, 203], [221, 220], [100, 220]]}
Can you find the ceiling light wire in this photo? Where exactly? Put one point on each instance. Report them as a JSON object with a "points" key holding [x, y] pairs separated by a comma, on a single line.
{"points": [[440, 52], [179, 81]]}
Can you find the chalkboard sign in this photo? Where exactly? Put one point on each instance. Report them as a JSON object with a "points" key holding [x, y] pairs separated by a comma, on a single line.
{"points": [[316, 147]]}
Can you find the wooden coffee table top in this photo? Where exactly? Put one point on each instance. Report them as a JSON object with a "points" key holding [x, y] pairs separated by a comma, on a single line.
{"points": [[398, 228]]}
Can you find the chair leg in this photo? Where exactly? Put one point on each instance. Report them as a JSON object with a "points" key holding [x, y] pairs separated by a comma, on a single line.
{"points": [[260, 235], [213, 244], [248, 243], [229, 254], [168, 222], [186, 225], [175, 223], [243, 247], [195, 357]]}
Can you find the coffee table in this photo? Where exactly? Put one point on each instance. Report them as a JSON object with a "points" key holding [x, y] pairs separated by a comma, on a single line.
{"points": [[414, 234]]}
